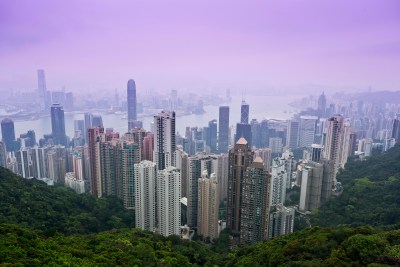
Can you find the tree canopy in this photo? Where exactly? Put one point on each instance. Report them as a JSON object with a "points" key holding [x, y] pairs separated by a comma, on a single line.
{"points": [[370, 197], [33, 204]]}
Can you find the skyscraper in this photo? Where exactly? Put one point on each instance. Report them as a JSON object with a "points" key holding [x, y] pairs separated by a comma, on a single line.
{"points": [[131, 93], [278, 182], [316, 152], [8, 134], [168, 201], [334, 138], [39, 161], [223, 131], [56, 159], [345, 145], [244, 130], [58, 125], [42, 91], [255, 203], [93, 139], [3, 159], [264, 134], [196, 166], [266, 155], [396, 128], [327, 179], [212, 136], [164, 140], [128, 158], [208, 206], [292, 139], [311, 176], [97, 121], [80, 131], [88, 118], [24, 163], [108, 168], [147, 150], [255, 133], [182, 162], [220, 168], [145, 195], [137, 135], [240, 157], [281, 221], [244, 113], [321, 109], [307, 130]]}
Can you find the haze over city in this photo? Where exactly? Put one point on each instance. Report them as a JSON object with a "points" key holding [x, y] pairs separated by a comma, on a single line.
{"points": [[190, 45], [200, 133]]}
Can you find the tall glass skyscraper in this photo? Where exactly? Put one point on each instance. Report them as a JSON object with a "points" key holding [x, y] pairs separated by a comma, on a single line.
{"points": [[42, 89], [244, 113], [58, 125], [223, 136], [212, 136], [8, 134], [131, 93]]}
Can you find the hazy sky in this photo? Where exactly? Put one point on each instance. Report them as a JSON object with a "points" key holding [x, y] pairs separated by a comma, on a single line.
{"points": [[194, 44]]}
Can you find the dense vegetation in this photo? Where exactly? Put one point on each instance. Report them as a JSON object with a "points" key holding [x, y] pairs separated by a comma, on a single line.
{"points": [[310, 247], [371, 194], [33, 204], [41, 225]]}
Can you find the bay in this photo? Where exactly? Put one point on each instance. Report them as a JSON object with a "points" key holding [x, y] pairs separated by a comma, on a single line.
{"points": [[261, 107]]}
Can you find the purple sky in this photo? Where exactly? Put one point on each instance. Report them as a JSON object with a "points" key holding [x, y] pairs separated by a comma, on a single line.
{"points": [[88, 45]]}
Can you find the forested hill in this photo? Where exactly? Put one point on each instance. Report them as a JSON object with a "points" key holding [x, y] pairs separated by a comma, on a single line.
{"points": [[41, 225], [33, 204], [371, 194], [310, 247]]}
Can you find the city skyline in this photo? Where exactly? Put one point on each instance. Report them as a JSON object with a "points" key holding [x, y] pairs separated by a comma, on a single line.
{"points": [[250, 120], [241, 45]]}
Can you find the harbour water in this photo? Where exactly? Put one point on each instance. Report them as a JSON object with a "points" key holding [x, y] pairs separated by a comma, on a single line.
{"points": [[261, 106]]}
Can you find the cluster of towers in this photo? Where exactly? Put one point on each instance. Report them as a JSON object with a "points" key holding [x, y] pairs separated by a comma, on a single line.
{"points": [[170, 181]]}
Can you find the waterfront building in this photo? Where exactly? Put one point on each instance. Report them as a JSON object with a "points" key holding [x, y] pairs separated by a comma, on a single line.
{"points": [[58, 125], [8, 134]]}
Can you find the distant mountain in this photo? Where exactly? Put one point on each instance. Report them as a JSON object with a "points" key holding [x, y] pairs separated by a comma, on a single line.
{"points": [[371, 194], [377, 97], [31, 203]]}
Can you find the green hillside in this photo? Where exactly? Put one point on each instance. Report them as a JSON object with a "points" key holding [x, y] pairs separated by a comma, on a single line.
{"points": [[52, 226], [31, 203], [371, 194], [310, 247]]}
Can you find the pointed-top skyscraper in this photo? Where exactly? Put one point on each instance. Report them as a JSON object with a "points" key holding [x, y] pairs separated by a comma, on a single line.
{"points": [[131, 93], [244, 113], [240, 157]]}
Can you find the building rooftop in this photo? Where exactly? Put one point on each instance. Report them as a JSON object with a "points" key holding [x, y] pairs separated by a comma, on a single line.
{"points": [[258, 159], [241, 141]]}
